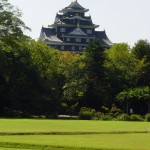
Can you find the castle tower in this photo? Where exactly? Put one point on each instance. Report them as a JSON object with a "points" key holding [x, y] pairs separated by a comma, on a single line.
{"points": [[72, 30]]}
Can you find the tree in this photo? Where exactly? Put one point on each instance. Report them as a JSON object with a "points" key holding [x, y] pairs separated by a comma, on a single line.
{"points": [[123, 69], [71, 66], [142, 51], [28, 69], [134, 96], [11, 31], [30, 78], [11, 26], [48, 85], [15, 63], [94, 75]]}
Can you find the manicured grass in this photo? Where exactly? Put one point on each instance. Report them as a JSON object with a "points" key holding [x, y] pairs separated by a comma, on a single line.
{"points": [[27, 125], [101, 141], [73, 135], [2, 148]]}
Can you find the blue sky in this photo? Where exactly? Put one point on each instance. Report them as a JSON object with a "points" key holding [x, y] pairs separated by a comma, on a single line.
{"points": [[124, 20]]}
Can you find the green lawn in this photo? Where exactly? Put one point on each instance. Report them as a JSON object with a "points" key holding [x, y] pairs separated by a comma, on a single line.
{"points": [[73, 134], [2, 148], [103, 141], [27, 125]]}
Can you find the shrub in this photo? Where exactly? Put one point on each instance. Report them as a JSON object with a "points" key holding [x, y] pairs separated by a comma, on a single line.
{"points": [[114, 111], [86, 113], [106, 117], [98, 115], [147, 117], [88, 109], [123, 117], [135, 117]]}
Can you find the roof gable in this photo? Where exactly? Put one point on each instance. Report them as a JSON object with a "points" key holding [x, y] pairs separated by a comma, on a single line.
{"points": [[78, 31]]}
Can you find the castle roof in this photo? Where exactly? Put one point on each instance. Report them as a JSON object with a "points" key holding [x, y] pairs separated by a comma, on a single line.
{"points": [[48, 31], [74, 7], [78, 17], [48, 34], [103, 39]]}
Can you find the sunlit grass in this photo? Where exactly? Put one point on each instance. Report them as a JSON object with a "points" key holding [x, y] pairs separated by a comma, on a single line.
{"points": [[27, 125], [102, 141], [2, 148], [73, 134]]}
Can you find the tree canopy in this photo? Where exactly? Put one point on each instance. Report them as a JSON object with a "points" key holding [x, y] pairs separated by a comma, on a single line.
{"points": [[10, 22], [140, 93]]}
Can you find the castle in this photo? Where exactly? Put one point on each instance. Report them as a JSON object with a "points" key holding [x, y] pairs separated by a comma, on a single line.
{"points": [[72, 30]]}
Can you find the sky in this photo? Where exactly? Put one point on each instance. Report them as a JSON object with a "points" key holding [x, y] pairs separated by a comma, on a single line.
{"points": [[123, 20]]}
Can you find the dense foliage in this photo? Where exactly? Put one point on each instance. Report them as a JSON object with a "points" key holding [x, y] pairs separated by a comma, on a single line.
{"points": [[38, 80]]}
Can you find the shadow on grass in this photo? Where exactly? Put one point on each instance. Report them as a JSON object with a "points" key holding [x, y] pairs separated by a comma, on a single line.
{"points": [[43, 147], [66, 133]]}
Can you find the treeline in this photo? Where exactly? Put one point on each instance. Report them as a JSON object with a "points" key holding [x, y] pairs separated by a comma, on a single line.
{"points": [[38, 80]]}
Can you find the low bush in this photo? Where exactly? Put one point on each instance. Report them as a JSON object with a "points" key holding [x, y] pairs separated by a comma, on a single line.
{"points": [[86, 113], [147, 117], [123, 117], [115, 111], [98, 115], [112, 112], [106, 117], [135, 117]]}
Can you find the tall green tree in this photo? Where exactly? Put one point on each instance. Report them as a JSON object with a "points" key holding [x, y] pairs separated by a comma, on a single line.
{"points": [[71, 67], [123, 68], [11, 31], [29, 79], [94, 75], [142, 51], [15, 63], [47, 87], [28, 69]]}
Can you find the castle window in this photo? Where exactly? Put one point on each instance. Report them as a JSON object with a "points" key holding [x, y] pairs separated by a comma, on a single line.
{"points": [[56, 30], [72, 48], [89, 31], [62, 47], [80, 48], [68, 39], [62, 29], [88, 40], [78, 39]]}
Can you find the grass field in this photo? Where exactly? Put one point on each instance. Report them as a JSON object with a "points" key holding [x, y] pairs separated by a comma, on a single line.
{"points": [[23, 134]]}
